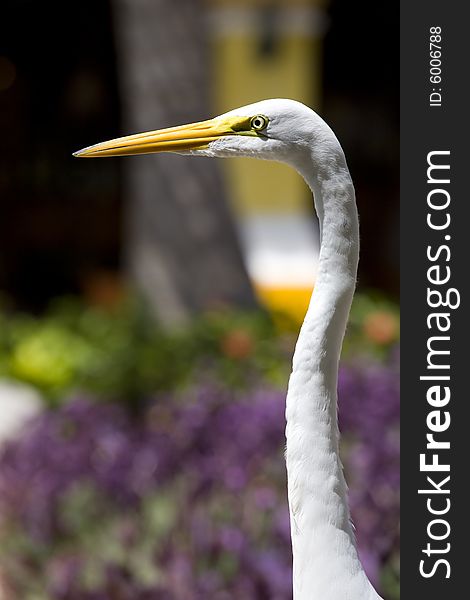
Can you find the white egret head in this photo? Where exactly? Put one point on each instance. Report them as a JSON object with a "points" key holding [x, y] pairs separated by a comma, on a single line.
{"points": [[276, 129]]}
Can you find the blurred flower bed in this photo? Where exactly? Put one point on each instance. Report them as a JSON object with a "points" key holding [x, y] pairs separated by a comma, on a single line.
{"points": [[124, 355], [156, 470]]}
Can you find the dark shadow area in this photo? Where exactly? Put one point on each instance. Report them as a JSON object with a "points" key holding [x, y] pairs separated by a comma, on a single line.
{"points": [[58, 90], [61, 221], [361, 87]]}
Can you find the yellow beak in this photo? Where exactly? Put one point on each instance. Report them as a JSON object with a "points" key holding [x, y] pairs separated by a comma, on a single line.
{"points": [[173, 139]]}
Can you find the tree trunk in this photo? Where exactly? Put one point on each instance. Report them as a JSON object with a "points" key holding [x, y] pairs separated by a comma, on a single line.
{"points": [[181, 246]]}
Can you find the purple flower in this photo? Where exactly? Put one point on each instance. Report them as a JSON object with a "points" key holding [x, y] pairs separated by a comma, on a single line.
{"points": [[190, 498]]}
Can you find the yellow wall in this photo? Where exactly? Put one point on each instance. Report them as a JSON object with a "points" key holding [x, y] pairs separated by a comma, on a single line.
{"points": [[243, 74]]}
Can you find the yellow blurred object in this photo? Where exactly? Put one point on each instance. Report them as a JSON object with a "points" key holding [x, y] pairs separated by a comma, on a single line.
{"points": [[266, 50], [46, 358], [270, 49], [291, 302]]}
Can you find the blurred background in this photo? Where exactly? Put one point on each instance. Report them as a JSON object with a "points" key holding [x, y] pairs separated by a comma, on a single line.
{"points": [[149, 306]]}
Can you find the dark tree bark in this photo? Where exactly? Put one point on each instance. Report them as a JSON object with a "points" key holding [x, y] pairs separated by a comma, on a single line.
{"points": [[181, 248]]}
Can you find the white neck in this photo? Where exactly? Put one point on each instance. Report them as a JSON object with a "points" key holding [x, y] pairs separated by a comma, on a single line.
{"points": [[326, 564]]}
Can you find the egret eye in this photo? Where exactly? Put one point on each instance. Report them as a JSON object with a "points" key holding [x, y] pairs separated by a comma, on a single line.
{"points": [[259, 122]]}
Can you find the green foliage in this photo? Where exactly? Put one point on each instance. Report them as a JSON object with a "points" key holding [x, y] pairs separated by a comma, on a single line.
{"points": [[193, 490], [127, 354]]}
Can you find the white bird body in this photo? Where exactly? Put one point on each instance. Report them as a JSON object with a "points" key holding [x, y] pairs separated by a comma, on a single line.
{"points": [[326, 565]]}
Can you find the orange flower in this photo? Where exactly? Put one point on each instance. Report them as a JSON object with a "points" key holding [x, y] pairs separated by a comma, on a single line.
{"points": [[237, 344], [381, 327]]}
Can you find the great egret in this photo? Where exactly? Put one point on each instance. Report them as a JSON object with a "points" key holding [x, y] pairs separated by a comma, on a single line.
{"points": [[326, 565]]}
